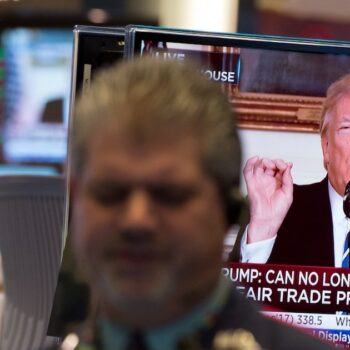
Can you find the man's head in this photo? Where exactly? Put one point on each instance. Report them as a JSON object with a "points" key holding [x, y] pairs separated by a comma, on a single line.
{"points": [[335, 133], [155, 151]]}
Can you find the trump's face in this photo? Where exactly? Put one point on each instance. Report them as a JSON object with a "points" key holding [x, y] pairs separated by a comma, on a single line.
{"points": [[336, 145], [148, 227]]}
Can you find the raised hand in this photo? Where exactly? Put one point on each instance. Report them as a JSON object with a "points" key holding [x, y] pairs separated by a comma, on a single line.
{"points": [[270, 193]]}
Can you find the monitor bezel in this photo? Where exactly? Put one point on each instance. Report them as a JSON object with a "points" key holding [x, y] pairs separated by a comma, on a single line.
{"points": [[135, 34]]}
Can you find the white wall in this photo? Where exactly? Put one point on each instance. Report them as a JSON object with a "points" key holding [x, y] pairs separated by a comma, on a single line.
{"points": [[208, 15], [302, 149]]}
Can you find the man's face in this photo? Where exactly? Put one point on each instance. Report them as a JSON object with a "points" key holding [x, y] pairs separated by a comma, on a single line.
{"points": [[336, 145], [149, 224]]}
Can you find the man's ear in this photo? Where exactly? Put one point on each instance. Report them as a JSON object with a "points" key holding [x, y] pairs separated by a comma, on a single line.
{"points": [[325, 150]]}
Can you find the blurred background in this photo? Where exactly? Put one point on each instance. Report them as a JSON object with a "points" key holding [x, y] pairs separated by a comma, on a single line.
{"points": [[305, 18], [35, 62], [36, 42]]}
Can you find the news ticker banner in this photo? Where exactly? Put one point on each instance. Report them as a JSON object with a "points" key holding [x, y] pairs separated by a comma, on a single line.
{"points": [[333, 328], [293, 288], [316, 299]]}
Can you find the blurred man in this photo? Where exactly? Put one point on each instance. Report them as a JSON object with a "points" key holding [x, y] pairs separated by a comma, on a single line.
{"points": [[302, 225], [155, 166]]}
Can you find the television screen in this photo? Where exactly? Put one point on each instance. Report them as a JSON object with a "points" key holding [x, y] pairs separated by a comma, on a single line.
{"points": [[37, 76], [256, 71], [277, 87], [94, 48]]}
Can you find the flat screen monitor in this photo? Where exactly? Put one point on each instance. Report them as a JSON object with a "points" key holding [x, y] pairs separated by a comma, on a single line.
{"points": [[277, 87], [37, 75], [94, 48]]}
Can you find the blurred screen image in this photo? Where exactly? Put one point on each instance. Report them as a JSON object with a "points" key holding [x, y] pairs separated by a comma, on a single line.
{"points": [[37, 64]]}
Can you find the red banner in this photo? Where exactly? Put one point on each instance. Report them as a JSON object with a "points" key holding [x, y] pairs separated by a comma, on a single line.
{"points": [[293, 288]]}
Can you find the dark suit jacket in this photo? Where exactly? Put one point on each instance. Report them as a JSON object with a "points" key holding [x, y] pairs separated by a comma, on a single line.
{"points": [[236, 313], [306, 234]]}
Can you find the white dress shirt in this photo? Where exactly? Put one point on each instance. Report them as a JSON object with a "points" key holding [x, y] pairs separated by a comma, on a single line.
{"points": [[340, 224]]}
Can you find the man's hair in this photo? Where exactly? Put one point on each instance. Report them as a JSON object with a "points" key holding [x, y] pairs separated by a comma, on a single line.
{"points": [[335, 92], [150, 99]]}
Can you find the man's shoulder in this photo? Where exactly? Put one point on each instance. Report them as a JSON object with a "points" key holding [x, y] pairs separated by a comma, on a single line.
{"points": [[305, 197], [238, 319], [312, 187], [241, 314]]}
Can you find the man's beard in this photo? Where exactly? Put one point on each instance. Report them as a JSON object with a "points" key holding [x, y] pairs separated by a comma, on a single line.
{"points": [[143, 298]]}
